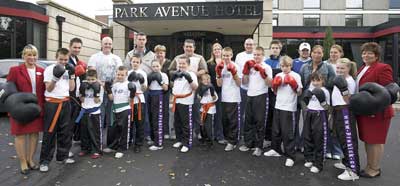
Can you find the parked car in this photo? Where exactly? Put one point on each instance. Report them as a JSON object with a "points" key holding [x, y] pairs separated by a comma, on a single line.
{"points": [[6, 64]]}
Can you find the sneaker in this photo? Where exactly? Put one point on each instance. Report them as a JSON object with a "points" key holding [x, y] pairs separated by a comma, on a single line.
{"points": [[289, 162], [308, 164], [95, 156], [348, 175], [244, 148], [154, 148], [222, 142], [340, 166], [314, 169], [328, 155], [166, 136], [272, 153], [44, 168], [177, 144], [119, 155], [266, 144], [229, 147], [70, 154], [336, 157], [149, 143], [184, 149], [108, 150], [257, 152], [69, 161], [199, 136]]}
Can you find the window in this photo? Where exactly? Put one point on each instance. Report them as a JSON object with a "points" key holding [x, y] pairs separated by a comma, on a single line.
{"points": [[275, 20], [311, 20], [394, 17], [275, 4], [354, 20], [354, 4], [394, 4], [312, 4]]}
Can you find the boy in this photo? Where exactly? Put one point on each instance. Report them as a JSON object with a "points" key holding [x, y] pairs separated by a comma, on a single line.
{"points": [[315, 123], [286, 86], [208, 97], [139, 79], [258, 75], [184, 86], [158, 83], [59, 80], [90, 92], [229, 80]]}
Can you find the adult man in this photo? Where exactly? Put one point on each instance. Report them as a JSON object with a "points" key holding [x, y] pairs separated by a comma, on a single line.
{"points": [[198, 65], [147, 56], [304, 56], [240, 60], [106, 64]]}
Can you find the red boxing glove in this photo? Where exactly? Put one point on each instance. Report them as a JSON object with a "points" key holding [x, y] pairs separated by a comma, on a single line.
{"points": [[79, 70], [291, 82], [82, 63], [218, 69], [232, 68], [276, 82], [247, 66], [260, 69]]}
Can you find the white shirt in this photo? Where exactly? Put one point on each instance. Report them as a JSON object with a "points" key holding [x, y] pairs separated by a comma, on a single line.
{"points": [[360, 75], [154, 84], [32, 76], [337, 98], [286, 98], [257, 84], [121, 94], [138, 86], [89, 100], [230, 92], [207, 98], [240, 60], [182, 87], [61, 88], [314, 104], [105, 65]]}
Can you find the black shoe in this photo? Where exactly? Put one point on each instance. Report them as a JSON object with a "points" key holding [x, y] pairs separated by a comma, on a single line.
{"points": [[366, 175], [137, 149]]}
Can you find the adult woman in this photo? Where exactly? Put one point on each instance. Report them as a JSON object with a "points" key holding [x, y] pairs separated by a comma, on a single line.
{"points": [[373, 129], [335, 53], [215, 58], [28, 77]]}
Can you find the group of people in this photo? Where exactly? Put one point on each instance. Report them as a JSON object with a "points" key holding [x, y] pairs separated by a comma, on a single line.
{"points": [[264, 101]]}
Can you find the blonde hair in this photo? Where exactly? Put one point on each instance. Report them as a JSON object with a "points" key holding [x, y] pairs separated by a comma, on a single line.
{"points": [[285, 61], [350, 64], [29, 49], [212, 57], [339, 48], [160, 48]]}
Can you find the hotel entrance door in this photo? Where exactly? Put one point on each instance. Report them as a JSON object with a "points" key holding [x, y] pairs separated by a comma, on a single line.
{"points": [[204, 41]]}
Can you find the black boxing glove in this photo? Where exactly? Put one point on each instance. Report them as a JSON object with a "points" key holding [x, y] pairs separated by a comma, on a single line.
{"points": [[82, 88], [23, 107], [139, 78], [132, 90], [393, 89], [371, 99], [96, 89], [187, 76], [176, 75], [7, 89], [307, 96], [203, 89], [58, 71], [212, 90], [132, 76], [341, 83], [108, 87], [71, 70], [320, 95], [157, 77]]}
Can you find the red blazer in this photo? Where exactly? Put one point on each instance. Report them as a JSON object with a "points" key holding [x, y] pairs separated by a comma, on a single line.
{"points": [[19, 75], [380, 73]]}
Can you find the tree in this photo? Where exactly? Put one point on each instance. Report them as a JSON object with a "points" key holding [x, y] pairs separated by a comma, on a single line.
{"points": [[328, 41]]}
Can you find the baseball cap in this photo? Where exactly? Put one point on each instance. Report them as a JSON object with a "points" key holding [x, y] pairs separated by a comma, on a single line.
{"points": [[304, 46]]}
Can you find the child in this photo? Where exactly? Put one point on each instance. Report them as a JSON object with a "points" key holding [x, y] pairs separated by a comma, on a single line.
{"points": [[139, 79], [287, 86], [315, 130], [229, 80], [344, 123], [59, 80], [258, 75], [184, 86], [158, 83], [119, 129], [208, 97], [90, 92]]}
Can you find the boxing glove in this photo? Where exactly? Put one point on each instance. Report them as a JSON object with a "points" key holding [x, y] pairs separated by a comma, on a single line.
{"points": [[261, 70], [232, 68], [154, 76], [393, 89], [341, 83], [307, 96], [71, 70], [108, 87], [58, 71], [23, 107], [203, 89], [132, 90], [371, 99], [212, 90], [132, 76], [187, 76], [7, 89], [96, 86], [247, 66], [139, 78], [276, 82], [82, 88], [80, 70], [320, 95], [289, 80], [218, 69], [176, 75]]}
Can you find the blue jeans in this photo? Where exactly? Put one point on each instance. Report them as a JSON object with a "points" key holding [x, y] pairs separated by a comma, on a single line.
{"points": [[333, 145]]}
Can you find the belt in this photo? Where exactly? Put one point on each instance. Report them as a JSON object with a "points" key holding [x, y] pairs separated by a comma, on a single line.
{"points": [[205, 108], [132, 103], [179, 96], [57, 114], [155, 92], [340, 107], [114, 107], [84, 111]]}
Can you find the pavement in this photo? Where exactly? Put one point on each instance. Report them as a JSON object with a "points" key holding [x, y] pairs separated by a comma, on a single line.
{"points": [[198, 167]]}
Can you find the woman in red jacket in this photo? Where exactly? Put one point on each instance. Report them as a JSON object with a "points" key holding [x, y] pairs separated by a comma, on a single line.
{"points": [[28, 77], [373, 129]]}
